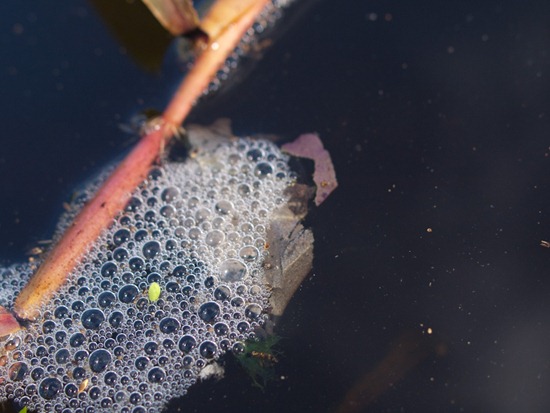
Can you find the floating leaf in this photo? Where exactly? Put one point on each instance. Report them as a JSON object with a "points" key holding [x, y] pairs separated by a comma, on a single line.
{"points": [[309, 146]]}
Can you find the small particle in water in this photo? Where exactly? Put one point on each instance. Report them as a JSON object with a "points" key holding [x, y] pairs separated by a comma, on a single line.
{"points": [[83, 385], [154, 292]]}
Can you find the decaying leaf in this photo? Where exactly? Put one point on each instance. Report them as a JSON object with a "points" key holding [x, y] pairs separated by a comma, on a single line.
{"points": [[309, 146], [177, 16], [290, 247]]}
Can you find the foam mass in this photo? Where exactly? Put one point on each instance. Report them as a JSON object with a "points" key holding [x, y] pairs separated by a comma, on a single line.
{"points": [[196, 229]]}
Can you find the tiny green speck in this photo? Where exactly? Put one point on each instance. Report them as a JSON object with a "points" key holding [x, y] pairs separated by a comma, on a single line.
{"points": [[23, 410], [154, 292]]}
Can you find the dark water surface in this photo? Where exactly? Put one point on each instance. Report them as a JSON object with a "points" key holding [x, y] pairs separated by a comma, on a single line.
{"points": [[437, 117]]}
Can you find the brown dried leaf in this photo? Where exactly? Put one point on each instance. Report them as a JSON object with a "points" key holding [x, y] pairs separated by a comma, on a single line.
{"points": [[177, 16]]}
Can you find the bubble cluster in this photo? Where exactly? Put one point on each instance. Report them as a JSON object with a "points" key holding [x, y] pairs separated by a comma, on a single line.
{"points": [[250, 44], [197, 231]]}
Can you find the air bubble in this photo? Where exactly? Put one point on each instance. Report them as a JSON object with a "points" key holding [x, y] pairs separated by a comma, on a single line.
{"points": [[92, 319], [209, 282], [141, 363], [221, 329], [136, 264], [133, 204], [110, 378], [169, 325], [156, 375], [17, 371], [149, 216], [62, 356], [61, 312], [80, 355], [120, 254], [179, 271], [195, 233], [249, 253], [154, 277], [170, 194], [37, 373], [128, 293], [222, 293], [187, 343], [172, 287], [106, 403], [140, 235], [151, 249], [167, 211], [99, 360], [253, 311], [94, 393], [121, 236], [224, 207], [202, 214], [209, 311], [243, 327], [214, 238], [49, 388], [232, 270], [71, 390], [150, 348], [237, 302], [115, 319], [244, 190], [208, 349], [60, 336], [48, 327], [155, 174], [106, 299], [135, 398], [254, 154], [238, 348], [171, 245], [79, 373], [263, 170]]}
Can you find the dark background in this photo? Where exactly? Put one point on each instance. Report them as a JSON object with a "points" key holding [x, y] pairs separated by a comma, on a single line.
{"points": [[436, 115]]}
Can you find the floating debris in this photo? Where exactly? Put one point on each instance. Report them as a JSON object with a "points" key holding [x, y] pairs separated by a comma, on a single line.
{"points": [[185, 273], [309, 146]]}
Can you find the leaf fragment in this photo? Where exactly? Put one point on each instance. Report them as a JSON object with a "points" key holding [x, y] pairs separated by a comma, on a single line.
{"points": [[309, 146], [177, 16]]}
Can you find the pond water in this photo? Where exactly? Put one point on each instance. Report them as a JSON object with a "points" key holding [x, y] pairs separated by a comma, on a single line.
{"points": [[436, 116]]}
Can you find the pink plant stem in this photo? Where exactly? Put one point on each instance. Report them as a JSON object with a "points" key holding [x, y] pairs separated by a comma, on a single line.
{"points": [[112, 197]]}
